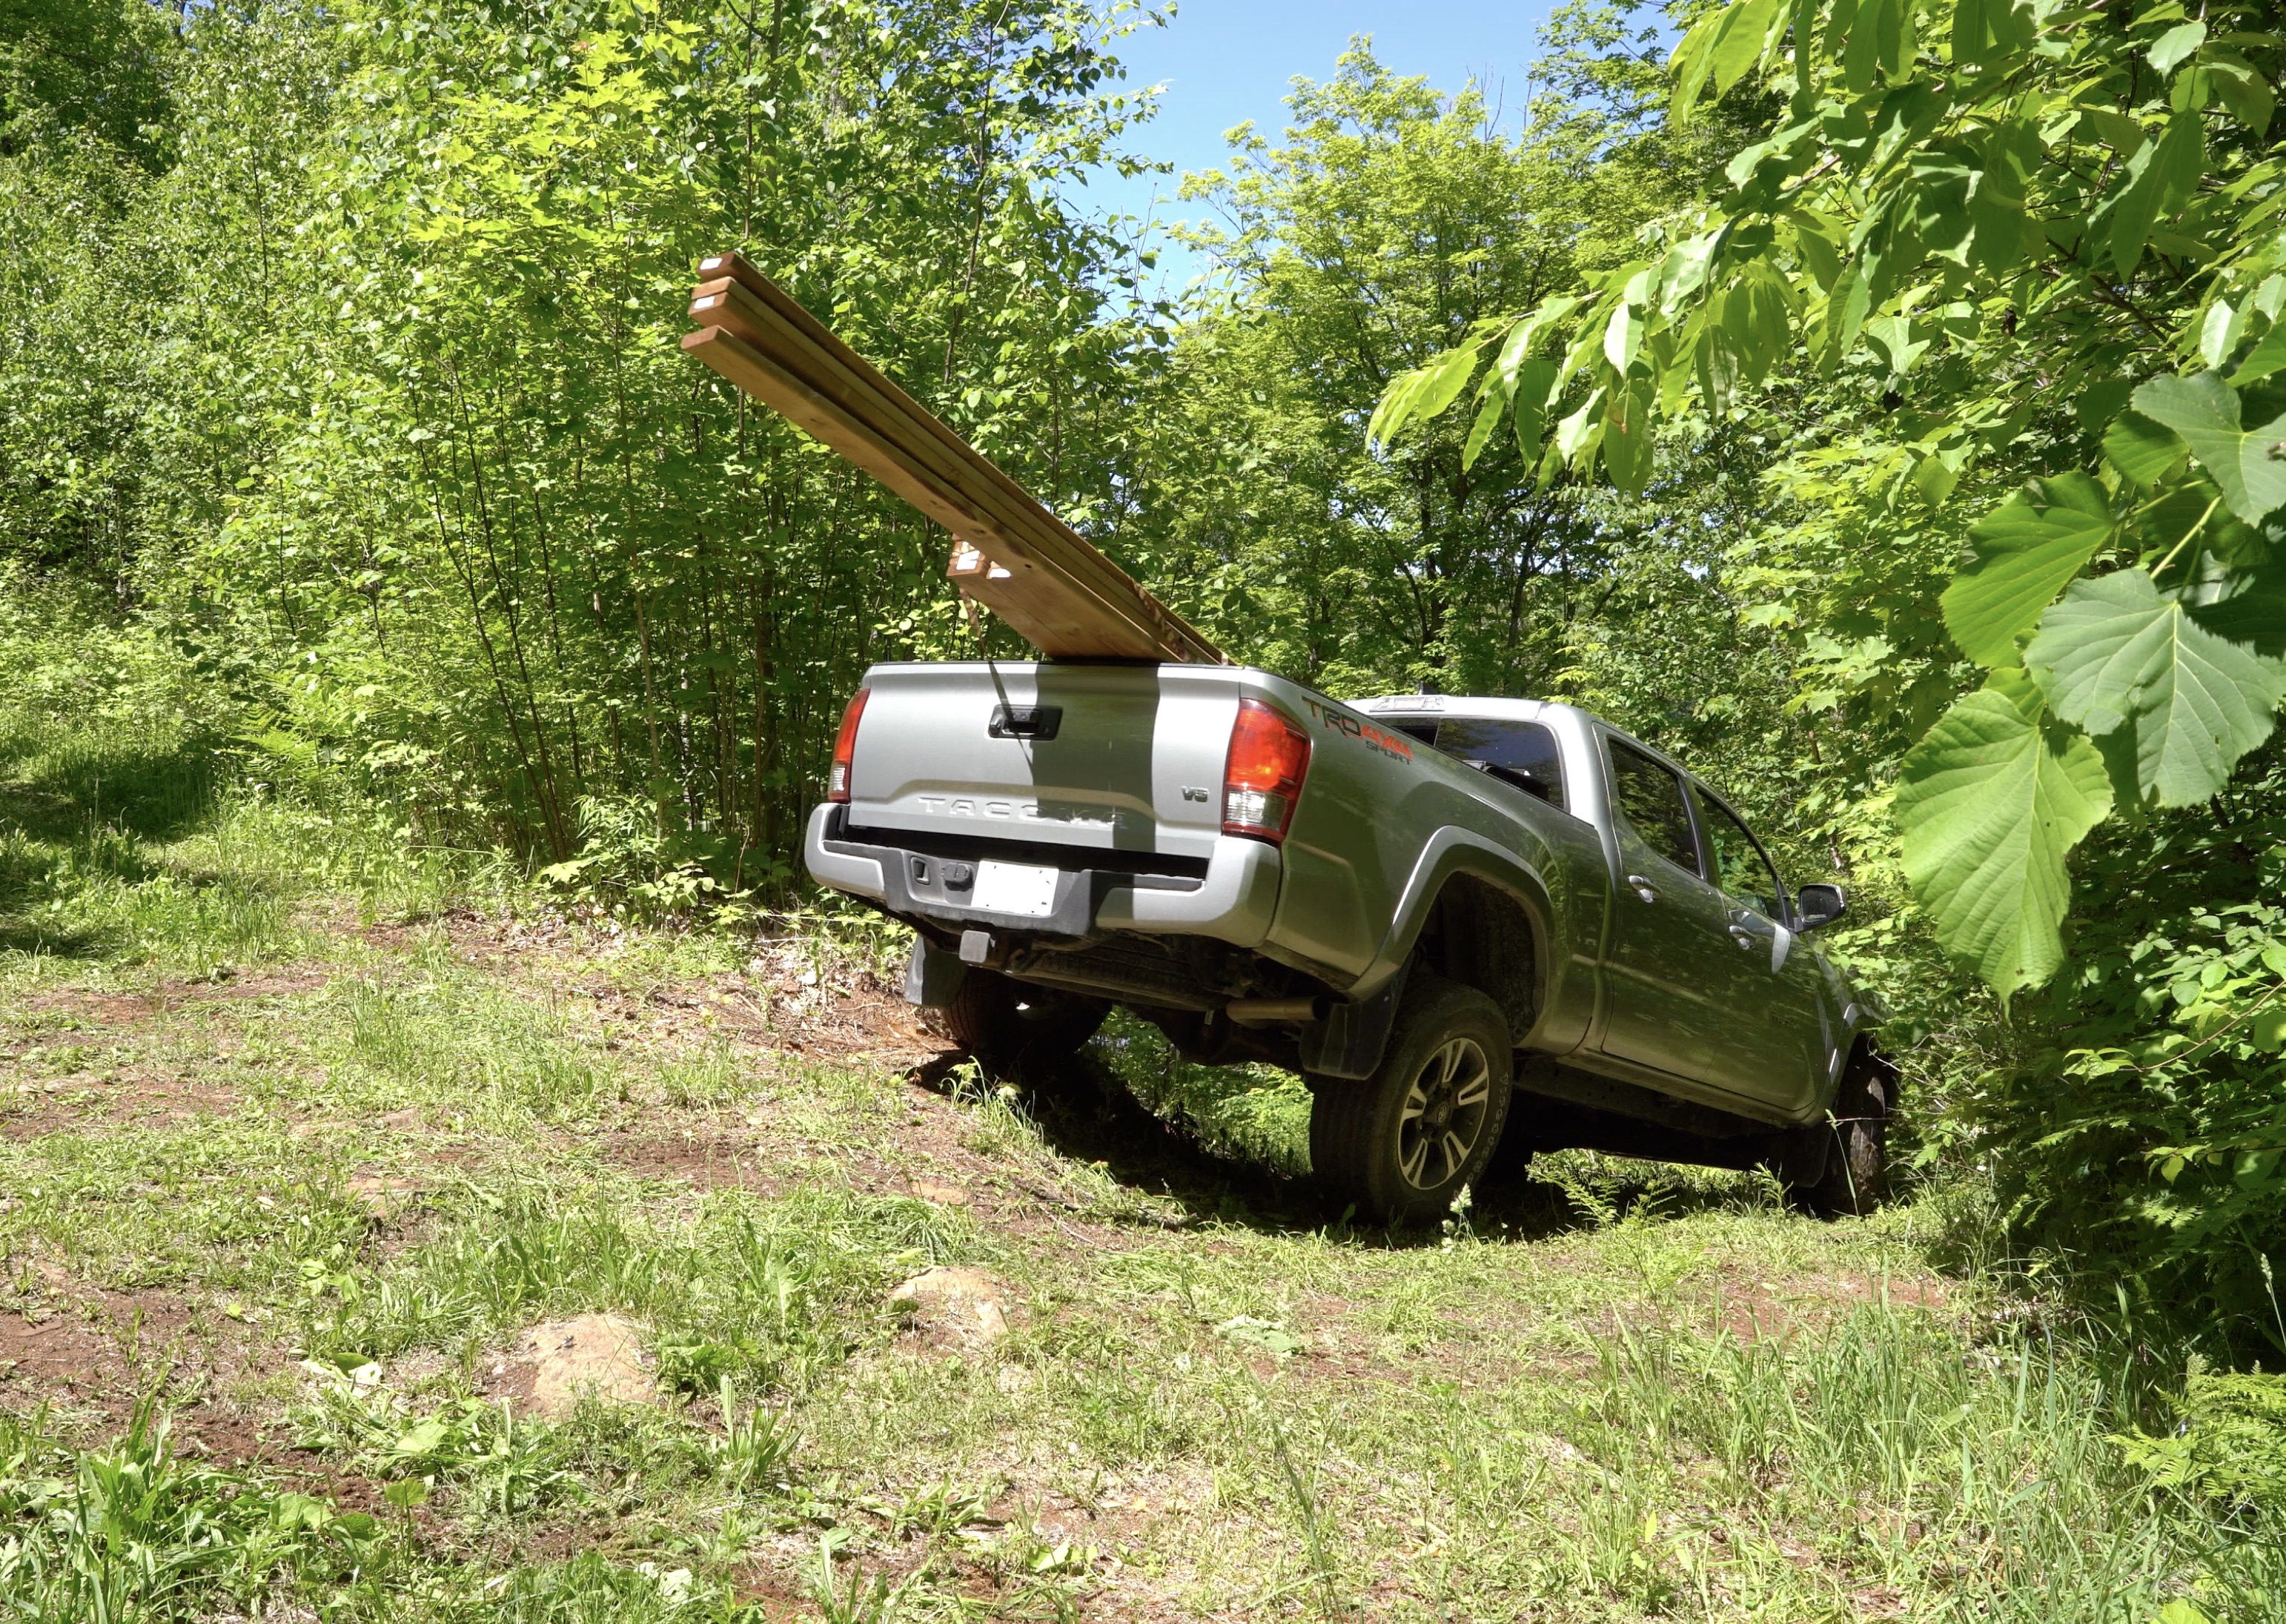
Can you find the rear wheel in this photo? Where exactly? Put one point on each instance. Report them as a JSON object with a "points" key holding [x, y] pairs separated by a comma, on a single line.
{"points": [[1007, 1023], [1402, 1142], [1856, 1175]]}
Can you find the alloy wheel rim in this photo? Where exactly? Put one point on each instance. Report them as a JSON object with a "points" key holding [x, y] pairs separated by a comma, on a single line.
{"points": [[1443, 1116]]}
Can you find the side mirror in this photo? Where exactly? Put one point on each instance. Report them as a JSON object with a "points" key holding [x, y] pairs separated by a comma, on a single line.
{"points": [[1818, 904]]}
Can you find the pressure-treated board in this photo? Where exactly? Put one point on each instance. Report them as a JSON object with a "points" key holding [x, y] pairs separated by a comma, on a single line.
{"points": [[1010, 553]]}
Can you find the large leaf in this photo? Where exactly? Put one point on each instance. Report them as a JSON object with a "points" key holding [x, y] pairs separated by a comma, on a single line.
{"points": [[2026, 550], [1988, 805], [1996, 207], [1490, 409], [2176, 46], [2141, 450], [2159, 180], [2118, 652], [1423, 393], [2241, 605], [2242, 88], [1534, 381], [2204, 411], [1986, 29], [1740, 43], [2268, 356], [1626, 434]]}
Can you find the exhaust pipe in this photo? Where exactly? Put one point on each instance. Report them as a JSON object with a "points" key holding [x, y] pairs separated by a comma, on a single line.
{"points": [[1275, 1012]]}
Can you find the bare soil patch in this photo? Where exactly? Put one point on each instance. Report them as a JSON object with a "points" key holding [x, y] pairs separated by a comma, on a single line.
{"points": [[125, 1009], [89, 1349], [124, 1097]]}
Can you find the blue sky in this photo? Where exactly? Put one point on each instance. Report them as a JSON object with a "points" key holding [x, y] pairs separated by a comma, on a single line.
{"points": [[1225, 61]]}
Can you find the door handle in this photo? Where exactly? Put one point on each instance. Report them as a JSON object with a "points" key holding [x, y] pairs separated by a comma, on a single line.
{"points": [[1643, 888]]}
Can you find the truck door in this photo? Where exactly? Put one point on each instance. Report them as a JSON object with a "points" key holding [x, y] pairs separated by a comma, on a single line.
{"points": [[1769, 983], [1670, 965]]}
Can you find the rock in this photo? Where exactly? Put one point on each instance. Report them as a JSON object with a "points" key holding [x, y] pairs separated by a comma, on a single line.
{"points": [[943, 1194], [597, 1356], [962, 1308]]}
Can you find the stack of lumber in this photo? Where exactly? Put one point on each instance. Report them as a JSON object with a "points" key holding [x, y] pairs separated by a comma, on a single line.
{"points": [[1010, 554]]}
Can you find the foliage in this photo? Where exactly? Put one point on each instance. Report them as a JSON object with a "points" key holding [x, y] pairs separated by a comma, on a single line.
{"points": [[1388, 220], [2137, 1127], [2232, 1446], [2020, 220], [410, 435]]}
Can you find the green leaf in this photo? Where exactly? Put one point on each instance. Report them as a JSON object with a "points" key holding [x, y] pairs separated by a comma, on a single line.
{"points": [[2176, 46], [1744, 35], [1421, 394], [1984, 30], [1573, 433], [1445, 378], [2246, 466], [2026, 550], [1490, 410], [1996, 203], [2117, 652], [2268, 356], [1988, 805], [1626, 434], [2160, 180], [2243, 89], [1622, 337], [2219, 332], [2246, 606], [1690, 63], [1394, 410], [1533, 382], [1875, 44], [1894, 334], [2141, 449]]}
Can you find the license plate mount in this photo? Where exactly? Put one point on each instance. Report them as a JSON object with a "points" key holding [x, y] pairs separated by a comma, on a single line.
{"points": [[1017, 888]]}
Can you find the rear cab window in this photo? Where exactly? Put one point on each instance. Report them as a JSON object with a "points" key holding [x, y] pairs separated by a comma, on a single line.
{"points": [[1521, 753], [1649, 796]]}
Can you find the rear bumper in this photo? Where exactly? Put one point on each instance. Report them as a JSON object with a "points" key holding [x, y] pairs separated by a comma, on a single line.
{"points": [[1234, 901]]}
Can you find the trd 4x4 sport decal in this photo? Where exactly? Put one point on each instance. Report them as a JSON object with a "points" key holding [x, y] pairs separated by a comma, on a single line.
{"points": [[1394, 746]]}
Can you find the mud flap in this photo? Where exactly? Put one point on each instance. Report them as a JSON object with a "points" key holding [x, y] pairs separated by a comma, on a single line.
{"points": [[1350, 1041], [932, 976]]}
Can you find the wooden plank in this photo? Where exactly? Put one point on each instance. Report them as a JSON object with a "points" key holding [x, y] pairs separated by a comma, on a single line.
{"points": [[1056, 589]]}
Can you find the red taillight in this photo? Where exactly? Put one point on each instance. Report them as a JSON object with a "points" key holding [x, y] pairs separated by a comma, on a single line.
{"points": [[1262, 775], [845, 745]]}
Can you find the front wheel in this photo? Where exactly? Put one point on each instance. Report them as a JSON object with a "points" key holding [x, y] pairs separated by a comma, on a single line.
{"points": [[1856, 1141], [1401, 1143], [1007, 1023]]}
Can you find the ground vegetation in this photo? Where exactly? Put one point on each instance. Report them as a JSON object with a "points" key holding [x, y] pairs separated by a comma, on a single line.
{"points": [[414, 673]]}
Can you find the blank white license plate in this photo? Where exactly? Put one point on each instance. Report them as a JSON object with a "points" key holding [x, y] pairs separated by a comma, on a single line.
{"points": [[1015, 887]]}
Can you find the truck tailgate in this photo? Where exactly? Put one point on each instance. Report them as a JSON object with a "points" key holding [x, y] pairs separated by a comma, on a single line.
{"points": [[1124, 758]]}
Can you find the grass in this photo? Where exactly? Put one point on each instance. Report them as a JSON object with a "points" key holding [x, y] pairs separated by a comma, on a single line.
{"points": [[290, 1155]]}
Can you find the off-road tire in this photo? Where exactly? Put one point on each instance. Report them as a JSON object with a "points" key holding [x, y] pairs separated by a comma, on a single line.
{"points": [[1010, 1024], [1856, 1175], [1398, 1145]]}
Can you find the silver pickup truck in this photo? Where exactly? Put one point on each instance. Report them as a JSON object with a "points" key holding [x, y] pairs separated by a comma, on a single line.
{"points": [[1456, 919]]}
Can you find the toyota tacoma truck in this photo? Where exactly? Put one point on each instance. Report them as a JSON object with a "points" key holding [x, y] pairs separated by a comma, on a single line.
{"points": [[1458, 919]]}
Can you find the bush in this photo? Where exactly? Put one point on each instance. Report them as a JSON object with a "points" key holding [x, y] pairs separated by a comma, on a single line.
{"points": [[2139, 1136]]}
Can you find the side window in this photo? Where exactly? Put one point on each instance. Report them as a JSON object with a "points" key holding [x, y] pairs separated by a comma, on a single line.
{"points": [[1526, 753], [1741, 872], [1651, 799]]}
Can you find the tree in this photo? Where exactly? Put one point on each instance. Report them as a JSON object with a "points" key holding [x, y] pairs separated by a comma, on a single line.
{"points": [[2009, 225], [1388, 221]]}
